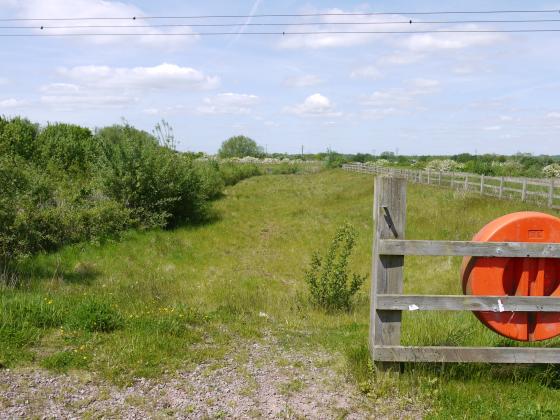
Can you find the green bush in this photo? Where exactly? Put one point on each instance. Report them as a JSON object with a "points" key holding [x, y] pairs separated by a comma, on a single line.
{"points": [[286, 168], [328, 278], [232, 173], [240, 146], [96, 316], [17, 137], [334, 159], [36, 214], [160, 186], [67, 147], [62, 185], [212, 182]]}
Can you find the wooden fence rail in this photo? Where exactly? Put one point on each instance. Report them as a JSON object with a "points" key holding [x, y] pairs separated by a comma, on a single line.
{"points": [[388, 300], [542, 191]]}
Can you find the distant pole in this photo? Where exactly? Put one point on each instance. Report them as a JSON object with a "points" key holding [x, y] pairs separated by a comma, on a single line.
{"points": [[302, 150]]}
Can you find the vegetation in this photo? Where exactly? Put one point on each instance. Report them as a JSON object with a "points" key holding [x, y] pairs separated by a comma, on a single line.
{"points": [[522, 164], [169, 299], [327, 277], [240, 146], [63, 184]]}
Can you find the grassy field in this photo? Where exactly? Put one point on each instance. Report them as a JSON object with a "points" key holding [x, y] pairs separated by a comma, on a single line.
{"points": [[162, 300]]}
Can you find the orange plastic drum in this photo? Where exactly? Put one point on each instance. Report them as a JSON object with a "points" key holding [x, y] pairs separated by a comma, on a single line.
{"points": [[517, 276]]}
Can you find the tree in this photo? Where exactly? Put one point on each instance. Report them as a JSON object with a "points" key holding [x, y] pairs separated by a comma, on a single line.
{"points": [[240, 146]]}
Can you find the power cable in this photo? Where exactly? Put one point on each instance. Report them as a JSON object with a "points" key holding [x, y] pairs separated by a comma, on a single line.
{"points": [[285, 33], [450, 12], [209, 25]]}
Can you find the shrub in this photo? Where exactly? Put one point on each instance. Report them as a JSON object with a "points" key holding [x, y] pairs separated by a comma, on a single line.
{"points": [[212, 183], [232, 173], [240, 146], [551, 171], [328, 277], [444, 165], [160, 186], [17, 138], [286, 168], [67, 147], [334, 159], [38, 215]]}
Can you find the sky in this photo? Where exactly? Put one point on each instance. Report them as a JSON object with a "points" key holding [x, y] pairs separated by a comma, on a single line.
{"points": [[407, 93]]}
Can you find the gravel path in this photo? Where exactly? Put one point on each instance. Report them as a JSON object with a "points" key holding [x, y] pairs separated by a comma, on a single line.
{"points": [[256, 381]]}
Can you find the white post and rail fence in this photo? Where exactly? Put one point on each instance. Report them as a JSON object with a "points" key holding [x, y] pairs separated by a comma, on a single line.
{"points": [[544, 191]]}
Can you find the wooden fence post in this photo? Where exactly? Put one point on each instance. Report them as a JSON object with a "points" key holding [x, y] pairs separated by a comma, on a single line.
{"points": [[501, 193], [387, 270], [551, 193], [439, 178], [524, 190], [466, 182], [482, 184], [428, 177]]}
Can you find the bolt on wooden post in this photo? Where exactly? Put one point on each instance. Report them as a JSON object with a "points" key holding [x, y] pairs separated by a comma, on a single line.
{"points": [[387, 270]]}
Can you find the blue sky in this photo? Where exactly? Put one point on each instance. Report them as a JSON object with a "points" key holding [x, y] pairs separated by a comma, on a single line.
{"points": [[422, 94]]}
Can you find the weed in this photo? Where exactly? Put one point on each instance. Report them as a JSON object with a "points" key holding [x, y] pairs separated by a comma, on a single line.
{"points": [[327, 277], [96, 316]]}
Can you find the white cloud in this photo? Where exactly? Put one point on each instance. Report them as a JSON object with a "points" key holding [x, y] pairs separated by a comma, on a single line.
{"points": [[463, 70], [451, 41], [330, 40], [400, 58], [357, 34], [382, 103], [303, 81], [493, 128], [100, 9], [12, 103], [96, 86], [401, 97], [425, 83], [88, 100], [506, 118], [151, 111], [163, 76], [229, 103], [553, 115], [394, 98], [314, 105], [366, 72], [60, 88]]}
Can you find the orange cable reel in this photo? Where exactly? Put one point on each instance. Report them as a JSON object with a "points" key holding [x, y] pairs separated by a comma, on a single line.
{"points": [[516, 276]]}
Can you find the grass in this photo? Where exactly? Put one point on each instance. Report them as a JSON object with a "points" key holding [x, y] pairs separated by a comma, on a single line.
{"points": [[163, 300]]}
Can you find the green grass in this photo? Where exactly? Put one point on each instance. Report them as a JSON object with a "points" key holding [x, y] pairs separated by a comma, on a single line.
{"points": [[162, 300]]}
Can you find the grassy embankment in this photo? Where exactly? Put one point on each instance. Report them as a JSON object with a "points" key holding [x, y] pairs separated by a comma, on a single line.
{"points": [[161, 300]]}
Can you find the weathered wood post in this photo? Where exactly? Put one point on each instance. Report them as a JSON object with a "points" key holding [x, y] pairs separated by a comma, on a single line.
{"points": [[482, 184], [387, 270], [551, 193], [466, 182], [524, 190], [428, 177], [439, 178], [501, 193]]}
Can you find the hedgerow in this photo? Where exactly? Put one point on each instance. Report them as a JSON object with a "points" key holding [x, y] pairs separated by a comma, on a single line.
{"points": [[63, 184]]}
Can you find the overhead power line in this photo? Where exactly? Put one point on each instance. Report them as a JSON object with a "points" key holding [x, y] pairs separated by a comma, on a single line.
{"points": [[449, 12], [210, 25], [283, 33]]}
